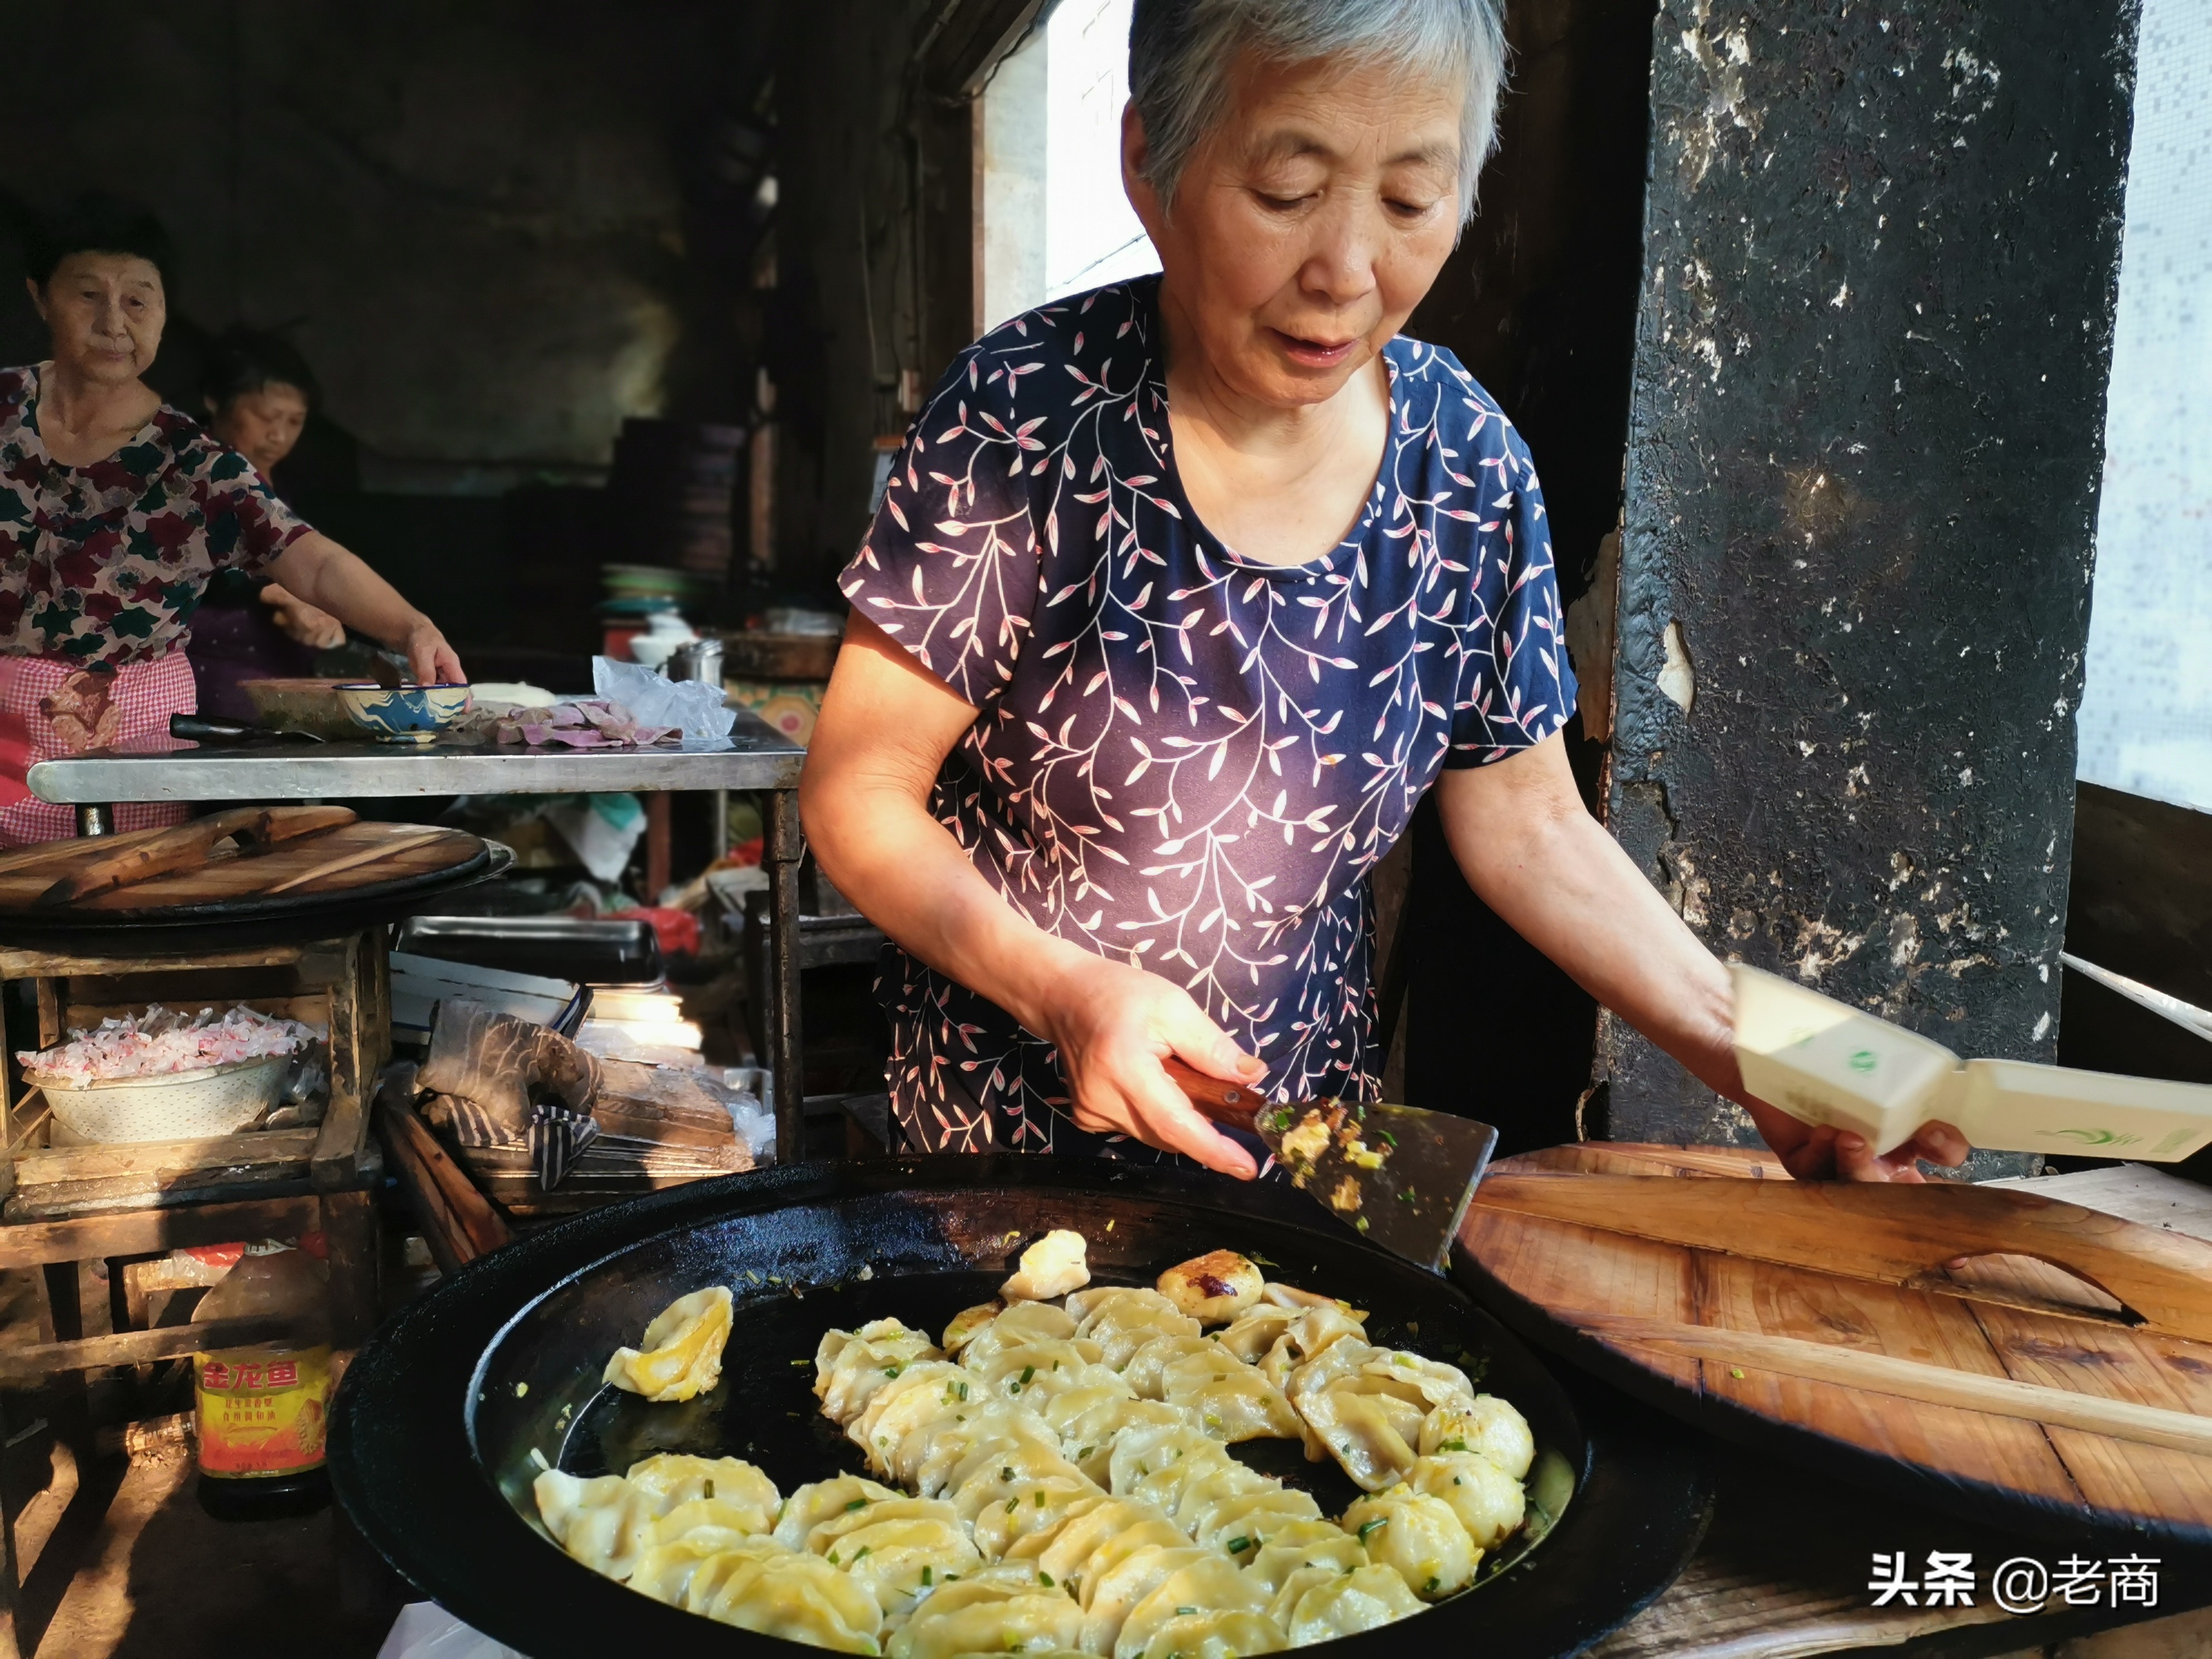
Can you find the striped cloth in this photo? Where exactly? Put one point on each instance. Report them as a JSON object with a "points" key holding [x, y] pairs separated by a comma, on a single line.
{"points": [[49, 708]]}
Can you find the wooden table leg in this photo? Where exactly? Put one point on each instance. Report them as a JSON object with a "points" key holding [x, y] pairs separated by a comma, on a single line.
{"points": [[11, 1583], [350, 1231], [658, 857], [784, 846], [63, 1319]]}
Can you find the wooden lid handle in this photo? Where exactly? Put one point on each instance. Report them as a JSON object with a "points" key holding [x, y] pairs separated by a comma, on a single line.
{"points": [[1228, 1104]]}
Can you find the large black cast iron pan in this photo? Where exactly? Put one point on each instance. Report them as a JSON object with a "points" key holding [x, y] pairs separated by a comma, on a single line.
{"points": [[433, 1430]]}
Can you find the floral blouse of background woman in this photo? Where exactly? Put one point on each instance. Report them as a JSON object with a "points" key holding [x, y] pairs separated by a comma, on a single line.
{"points": [[1188, 760]]}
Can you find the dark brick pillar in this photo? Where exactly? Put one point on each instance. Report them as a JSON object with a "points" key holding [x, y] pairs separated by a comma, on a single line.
{"points": [[1881, 245]]}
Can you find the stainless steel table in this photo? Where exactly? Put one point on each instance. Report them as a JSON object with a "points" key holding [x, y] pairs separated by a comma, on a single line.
{"points": [[754, 755]]}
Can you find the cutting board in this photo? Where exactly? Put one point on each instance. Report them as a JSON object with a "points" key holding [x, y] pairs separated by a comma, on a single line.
{"points": [[392, 857], [1827, 1321]]}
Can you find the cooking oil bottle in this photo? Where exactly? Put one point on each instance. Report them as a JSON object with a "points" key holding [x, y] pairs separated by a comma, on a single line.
{"points": [[261, 1411]]}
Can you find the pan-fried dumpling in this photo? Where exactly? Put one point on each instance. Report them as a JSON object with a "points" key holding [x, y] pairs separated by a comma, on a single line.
{"points": [[946, 1452], [1115, 1593], [925, 1390], [899, 1551], [1417, 1535], [993, 1474], [1031, 1373], [1299, 1545], [1347, 1603], [810, 1505], [1144, 1367], [605, 1522], [1024, 1323], [1228, 1635], [678, 1479], [1090, 1418], [1290, 1296], [850, 1366], [1307, 1338], [1489, 1502], [667, 1571], [1029, 1507], [1243, 1523], [1358, 1429], [1004, 1609], [709, 1515], [1122, 1321], [1233, 1401], [1252, 1332], [1052, 1267], [969, 1321], [1220, 1483], [1486, 1425], [1212, 1288], [1210, 1584], [1067, 1555], [801, 1598], [1426, 1382], [682, 1353]]}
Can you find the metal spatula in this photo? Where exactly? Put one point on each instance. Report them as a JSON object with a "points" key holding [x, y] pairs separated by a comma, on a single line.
{"points": [[1399, 1176]]}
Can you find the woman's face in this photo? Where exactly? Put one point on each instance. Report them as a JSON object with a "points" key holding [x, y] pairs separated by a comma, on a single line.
{"points": [[106, 312], [1308, 225], [262, 425]]}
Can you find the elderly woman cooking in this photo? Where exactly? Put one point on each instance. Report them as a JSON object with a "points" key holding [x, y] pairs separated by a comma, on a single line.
{"points": [[1182, 595], [115, 510]]}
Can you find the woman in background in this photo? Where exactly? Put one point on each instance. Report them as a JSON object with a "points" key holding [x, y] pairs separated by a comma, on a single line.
{"points": [[116, 510], [259, 391]]}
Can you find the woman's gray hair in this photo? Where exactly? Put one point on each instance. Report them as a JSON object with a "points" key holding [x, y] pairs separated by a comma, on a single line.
{"points": [[1181, 52]]}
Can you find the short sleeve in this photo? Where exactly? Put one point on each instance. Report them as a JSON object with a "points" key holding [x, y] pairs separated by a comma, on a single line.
{"points": [[951, 567], [1521, 689], [246, 524]]}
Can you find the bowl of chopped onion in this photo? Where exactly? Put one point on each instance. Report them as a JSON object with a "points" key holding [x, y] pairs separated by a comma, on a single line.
{"points": [[165, 1076], [219, 1100]]}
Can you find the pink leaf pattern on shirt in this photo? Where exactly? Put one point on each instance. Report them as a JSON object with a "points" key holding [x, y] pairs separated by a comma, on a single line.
{"points": [[1183, 759]]}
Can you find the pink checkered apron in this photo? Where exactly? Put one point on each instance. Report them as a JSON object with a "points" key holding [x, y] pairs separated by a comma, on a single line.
{"points": [[49, 708]]}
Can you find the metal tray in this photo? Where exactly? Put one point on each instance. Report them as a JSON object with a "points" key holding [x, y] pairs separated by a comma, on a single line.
{"points": [[433, 1430], [588, 952]]}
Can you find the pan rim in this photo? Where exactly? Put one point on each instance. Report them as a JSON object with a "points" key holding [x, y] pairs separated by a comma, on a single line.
{"points": [[399, 1433]]}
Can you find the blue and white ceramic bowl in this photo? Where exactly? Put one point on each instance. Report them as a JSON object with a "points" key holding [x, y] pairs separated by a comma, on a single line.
{"points": [[413, 713]]}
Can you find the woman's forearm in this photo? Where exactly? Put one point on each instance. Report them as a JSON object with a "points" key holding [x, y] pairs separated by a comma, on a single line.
{"points": [[885, 852], [330, 579]]}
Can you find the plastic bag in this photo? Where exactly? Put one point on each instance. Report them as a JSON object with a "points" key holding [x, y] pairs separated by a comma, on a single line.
{"points": [[425, 1630], [697, 707]]}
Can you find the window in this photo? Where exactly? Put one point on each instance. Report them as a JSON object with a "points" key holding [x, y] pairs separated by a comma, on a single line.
{"points": [[2146, 721], [1052, 217]]}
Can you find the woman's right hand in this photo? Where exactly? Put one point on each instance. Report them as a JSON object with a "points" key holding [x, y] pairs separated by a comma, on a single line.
{"points": [[1113, 1025]]}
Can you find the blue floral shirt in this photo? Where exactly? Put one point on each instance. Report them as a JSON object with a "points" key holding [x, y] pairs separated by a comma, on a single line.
{"points": [[1182, 758]]}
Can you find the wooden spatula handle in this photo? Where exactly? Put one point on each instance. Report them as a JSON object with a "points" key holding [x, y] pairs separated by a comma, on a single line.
{"points": [[1228, 1104]]}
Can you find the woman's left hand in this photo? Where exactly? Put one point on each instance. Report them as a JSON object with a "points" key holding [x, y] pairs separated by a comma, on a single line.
{"points": [[301, 621]]}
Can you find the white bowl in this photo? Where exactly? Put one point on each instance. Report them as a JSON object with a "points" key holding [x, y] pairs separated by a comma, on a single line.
{"points": [[215, 1100]]}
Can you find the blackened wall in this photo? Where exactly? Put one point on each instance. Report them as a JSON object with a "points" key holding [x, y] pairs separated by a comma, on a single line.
{"points": [[496, 229], [1883, 247]]}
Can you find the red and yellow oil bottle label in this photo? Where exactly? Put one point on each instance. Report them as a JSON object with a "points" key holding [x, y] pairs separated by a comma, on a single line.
{"points": [[262, 1411]]}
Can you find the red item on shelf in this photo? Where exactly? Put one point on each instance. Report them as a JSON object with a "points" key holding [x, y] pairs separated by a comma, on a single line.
{"points": [[678, 930]]}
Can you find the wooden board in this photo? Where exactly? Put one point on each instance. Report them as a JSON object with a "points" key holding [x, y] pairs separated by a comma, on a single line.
{"points": [[2003, 1379], [228, 882]]}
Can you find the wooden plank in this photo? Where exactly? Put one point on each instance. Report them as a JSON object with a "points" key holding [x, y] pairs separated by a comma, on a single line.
{"points": [[108, 1160], [1557, 1265], [2135, 1367], [32, 1243], [1894, 1233], [91, 1197], [457, 1218], [1854, 1318], [2153, 1197], [31, 965], [1632, 1157], [42, 1361]]}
